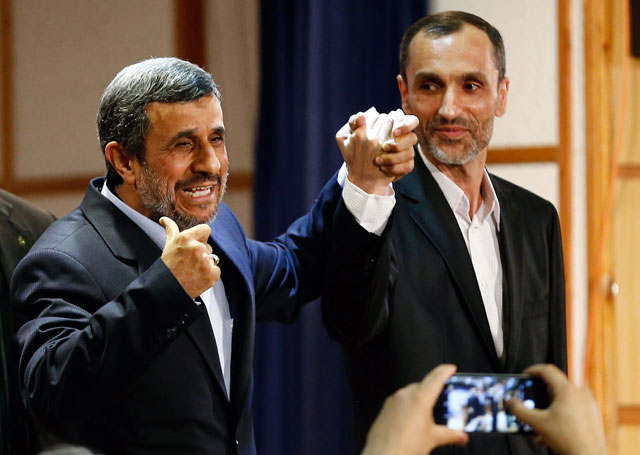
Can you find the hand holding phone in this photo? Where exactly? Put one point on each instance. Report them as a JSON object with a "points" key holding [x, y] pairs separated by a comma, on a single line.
{"points": [[571, 424], [476, 403]]}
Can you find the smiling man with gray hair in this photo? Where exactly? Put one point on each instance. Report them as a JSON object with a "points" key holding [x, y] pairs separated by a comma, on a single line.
{"points": [[142, 302]]}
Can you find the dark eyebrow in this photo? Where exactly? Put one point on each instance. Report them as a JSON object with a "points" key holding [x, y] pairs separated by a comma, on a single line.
{"points": [[428, 76], [181, 134], [475, 76], [192, 132]]}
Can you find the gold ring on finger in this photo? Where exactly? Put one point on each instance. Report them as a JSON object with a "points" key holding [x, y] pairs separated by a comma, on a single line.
{"points": [[214, 258]]}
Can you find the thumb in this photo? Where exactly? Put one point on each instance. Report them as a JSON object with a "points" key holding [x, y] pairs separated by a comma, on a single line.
{"points": [[357, 121], [446, 436], [405, 125], [532, 417], [171, 228]]}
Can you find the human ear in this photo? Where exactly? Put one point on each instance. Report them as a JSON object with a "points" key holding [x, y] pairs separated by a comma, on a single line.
{"points": [[404, 93], [124, 163], [503, 89]]}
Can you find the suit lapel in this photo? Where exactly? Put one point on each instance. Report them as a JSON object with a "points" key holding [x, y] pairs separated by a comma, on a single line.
{"points": [[239, 291], [433, 216], [131, 245], [202, 336], [124, 238], [511, 247]]}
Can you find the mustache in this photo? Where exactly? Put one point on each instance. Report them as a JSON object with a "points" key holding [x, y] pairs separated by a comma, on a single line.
{"points": [[438, 122], [197, 179]]}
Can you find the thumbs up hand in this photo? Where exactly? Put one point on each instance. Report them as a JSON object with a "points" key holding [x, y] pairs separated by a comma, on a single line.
{"points": [[189, 257]]}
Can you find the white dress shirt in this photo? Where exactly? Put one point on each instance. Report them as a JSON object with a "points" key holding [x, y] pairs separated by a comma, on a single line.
{"points": [[481, 237], [371, 211]]}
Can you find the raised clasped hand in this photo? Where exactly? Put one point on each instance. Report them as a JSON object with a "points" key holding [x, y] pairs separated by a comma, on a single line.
{"points": [[189, 257], [378, 148]]}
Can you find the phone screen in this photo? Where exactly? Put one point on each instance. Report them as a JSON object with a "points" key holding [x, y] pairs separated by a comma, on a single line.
{"points": [[475, 403]]}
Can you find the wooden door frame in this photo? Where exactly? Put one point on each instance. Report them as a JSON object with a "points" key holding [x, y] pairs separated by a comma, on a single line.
{"points": [[600, 105]]}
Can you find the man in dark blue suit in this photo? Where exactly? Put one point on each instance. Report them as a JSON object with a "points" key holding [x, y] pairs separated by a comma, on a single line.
{"points": [[142, 302]]}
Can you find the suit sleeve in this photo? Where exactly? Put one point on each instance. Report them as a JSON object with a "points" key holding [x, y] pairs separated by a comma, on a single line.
{"points": [[78, 345], [325, 253], [355, 303], [557, 300]]}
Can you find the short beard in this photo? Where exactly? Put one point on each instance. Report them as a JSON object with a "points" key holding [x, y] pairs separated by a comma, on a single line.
{"points": [[443, 158], [480, 137], [159, 204]]}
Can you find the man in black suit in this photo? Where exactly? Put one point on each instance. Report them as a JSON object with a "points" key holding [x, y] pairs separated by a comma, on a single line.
{"points": [[135, 344], [21, 223], [478, 271]]}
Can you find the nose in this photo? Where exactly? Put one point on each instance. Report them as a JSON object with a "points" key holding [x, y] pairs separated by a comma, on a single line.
{"points": [[207, 160], [449, 106]]}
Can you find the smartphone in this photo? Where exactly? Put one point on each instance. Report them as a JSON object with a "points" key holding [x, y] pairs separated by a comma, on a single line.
{"points": [[475, 403]]}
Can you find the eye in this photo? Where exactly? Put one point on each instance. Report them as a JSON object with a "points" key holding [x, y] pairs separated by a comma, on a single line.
{"points": [[471, 86], [216, 139], [183, 144], [429, 86]]}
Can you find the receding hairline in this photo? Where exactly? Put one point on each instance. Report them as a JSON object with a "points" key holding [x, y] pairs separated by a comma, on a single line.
{"points": [[433, 36], [447, 23]]}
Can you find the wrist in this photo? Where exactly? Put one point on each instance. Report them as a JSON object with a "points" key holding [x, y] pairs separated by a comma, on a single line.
{"points": [[378, 187]]}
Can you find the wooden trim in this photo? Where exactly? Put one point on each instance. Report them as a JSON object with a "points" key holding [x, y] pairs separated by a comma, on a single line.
{"points": [[629, 415], [239, 181], [629, 171], [522, 155], [50, 185], [565, 158], [599, 363], [189, 30], [6, 93]]}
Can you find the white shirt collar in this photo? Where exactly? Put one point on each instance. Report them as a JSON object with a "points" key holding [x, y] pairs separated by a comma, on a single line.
{"points": [[456, 198], [154, 230]]}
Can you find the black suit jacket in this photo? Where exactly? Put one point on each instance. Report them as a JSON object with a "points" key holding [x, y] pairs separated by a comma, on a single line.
{"points": [[118, 358], [434, 312], [20, 225]]}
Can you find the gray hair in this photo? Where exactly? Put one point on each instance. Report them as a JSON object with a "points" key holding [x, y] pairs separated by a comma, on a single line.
{"points": [[122, 116]]}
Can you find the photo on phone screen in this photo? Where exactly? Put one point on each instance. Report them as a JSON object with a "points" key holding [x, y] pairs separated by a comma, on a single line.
{"points": [[475, 403]]}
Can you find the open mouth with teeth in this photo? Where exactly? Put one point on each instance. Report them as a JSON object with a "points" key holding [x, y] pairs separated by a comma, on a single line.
{"points": [[201, 191]]}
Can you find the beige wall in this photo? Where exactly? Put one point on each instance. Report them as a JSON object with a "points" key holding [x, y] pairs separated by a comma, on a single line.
{"points": [[64, 55]]}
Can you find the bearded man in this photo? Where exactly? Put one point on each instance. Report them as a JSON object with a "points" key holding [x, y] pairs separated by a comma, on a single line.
{"points": [[478, 278], [134, 343]]}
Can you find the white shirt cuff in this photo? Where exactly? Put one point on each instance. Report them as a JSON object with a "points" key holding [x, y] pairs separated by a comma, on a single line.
{"points": [[371, 211]]}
